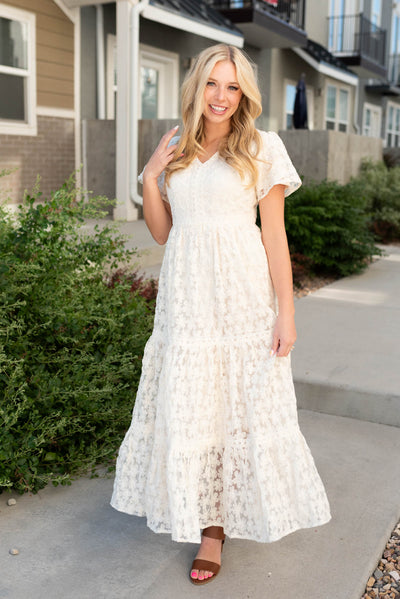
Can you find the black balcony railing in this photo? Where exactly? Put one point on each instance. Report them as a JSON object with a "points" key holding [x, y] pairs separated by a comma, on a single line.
{"points": [[291, 11], [355, 35]]}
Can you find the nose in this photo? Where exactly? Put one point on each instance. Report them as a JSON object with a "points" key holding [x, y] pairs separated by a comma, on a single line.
{"points": [[220, 95]]}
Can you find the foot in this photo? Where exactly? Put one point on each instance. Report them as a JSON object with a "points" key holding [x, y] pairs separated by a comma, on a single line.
{"points": [[210, 549]]}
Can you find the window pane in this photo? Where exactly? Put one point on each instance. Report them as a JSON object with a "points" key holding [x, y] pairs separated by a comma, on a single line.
{"points": [[290, 96], [343, 127], [13, 43], [367, 117], [343, 105], [331, 102], [397, 120], [330, 125], [390, 119], [12, 101], [149, 89]]}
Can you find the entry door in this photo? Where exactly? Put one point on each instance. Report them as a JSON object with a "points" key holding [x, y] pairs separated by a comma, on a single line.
{"points": [[159, 83]]}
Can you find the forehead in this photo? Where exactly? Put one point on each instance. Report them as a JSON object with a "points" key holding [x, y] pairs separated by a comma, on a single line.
{"points": [[224, 70]]}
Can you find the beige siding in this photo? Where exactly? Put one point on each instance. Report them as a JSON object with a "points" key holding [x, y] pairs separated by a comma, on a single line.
{"points": [[54, 53]]}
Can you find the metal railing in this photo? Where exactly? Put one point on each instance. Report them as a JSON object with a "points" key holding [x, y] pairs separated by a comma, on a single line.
{"points": [[357, 35], [291, 11]]}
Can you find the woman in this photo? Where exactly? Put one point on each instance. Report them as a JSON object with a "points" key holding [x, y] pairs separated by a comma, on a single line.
{"points": [[214, 442]]}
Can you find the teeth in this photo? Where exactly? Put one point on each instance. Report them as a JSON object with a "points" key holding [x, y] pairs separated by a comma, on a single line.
{"points": [[218, 108]]}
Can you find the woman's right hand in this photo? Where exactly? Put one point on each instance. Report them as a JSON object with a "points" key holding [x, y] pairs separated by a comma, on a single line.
{"points": [[162, 156]]}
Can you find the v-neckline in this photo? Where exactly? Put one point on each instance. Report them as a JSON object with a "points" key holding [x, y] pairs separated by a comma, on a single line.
{"points": [[208, 159]]}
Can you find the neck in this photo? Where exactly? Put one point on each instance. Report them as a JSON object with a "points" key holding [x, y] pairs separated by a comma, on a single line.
{"points": [[214, 132]]}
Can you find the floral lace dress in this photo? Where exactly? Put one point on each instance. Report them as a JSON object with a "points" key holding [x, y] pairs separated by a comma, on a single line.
{"points": [[214, 438]]}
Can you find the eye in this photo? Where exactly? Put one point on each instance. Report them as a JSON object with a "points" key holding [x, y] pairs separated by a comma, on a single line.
{"points": [[233, 88], [210, 83]]}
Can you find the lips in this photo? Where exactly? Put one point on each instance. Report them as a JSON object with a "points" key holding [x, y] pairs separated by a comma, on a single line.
{"points": [[218, 109]]}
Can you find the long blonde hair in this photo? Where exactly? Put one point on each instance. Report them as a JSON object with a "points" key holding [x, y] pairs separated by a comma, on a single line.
{"points": [[241, 146]]}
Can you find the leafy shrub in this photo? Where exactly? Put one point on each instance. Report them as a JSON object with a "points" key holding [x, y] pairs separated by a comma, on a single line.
{"points": [[381, 189], [328, 223], [71, 341]]}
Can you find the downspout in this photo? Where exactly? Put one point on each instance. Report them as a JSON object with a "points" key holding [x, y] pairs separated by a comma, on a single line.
{"points": [[137, 9], [101, 89]]}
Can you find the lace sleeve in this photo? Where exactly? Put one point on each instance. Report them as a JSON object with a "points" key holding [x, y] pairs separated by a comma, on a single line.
{"points": [[161, 178], [276, 168]]}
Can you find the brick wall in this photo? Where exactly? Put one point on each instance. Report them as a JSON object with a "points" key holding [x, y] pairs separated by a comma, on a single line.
{"points": [[51, 154]]}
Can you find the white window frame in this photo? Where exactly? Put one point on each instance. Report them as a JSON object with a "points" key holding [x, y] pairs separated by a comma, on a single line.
{"points": [[377, 110], [310, 103], [169, 78], [336, 121], [392, 132], [9, 127]]}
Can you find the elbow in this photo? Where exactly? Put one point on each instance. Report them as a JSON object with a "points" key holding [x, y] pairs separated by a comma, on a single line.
{"points": [[160, 238]]}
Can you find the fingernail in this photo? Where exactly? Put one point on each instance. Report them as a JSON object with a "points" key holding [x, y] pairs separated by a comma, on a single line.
{"points": [[271, 353], [176, 127]]}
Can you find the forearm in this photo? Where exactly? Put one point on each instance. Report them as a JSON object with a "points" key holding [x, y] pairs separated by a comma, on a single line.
{"points": [[155, 211], [276, 247]]}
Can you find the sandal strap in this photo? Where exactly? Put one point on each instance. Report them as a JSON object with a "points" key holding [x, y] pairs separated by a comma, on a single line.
{"points": [[203, 564], [214, 532]]}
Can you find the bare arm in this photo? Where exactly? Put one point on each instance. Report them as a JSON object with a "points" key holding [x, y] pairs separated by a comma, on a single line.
{"points": [[157, 213], [274, 239]]}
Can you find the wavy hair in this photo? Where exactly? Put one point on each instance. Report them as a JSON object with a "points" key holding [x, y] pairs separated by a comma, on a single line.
{"points": [[241, 147]]}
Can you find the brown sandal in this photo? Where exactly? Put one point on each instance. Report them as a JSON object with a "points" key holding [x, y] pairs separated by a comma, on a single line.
{"points": [[212, 532]]}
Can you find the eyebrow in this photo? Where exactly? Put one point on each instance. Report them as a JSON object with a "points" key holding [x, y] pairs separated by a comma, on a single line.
{"points": [[230, 82]]}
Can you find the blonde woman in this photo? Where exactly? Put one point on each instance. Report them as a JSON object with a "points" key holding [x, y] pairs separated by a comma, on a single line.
{"points": [[214, 443]]}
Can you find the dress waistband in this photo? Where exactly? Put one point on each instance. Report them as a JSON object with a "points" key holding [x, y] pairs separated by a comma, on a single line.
{"points": [[215, 221]]}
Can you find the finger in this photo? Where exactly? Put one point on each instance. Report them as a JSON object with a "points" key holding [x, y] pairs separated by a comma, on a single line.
{"points": [[275, 345], [166, 138]]}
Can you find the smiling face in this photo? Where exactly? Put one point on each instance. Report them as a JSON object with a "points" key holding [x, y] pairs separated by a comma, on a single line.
{"points": [[222, 94]]}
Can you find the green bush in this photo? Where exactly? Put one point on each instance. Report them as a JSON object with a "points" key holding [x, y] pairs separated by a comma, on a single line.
{"points": [[71, 341], [327, 223], [381, 188]]}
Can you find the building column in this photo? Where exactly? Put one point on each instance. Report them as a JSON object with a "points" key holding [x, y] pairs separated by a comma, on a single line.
{"points": [[125, 209]]}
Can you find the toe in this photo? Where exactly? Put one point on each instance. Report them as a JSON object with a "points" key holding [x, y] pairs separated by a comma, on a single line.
{"points": [[201, 575], [194, 574]]}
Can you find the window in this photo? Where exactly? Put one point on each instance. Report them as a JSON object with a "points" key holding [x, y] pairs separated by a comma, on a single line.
{"points": [[393, 125], [336, 25], [376, 13], [337, 108], [17, 72], [289, 95], [372, 116], [159, 82]]}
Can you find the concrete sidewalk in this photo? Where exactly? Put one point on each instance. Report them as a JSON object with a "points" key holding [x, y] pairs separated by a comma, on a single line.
{"points": [[74, 545]]}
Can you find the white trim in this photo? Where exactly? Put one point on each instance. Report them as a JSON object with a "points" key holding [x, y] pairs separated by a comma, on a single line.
{"points": [[100, 66], [111, 88], [167, 64], [173, 20], [9, 127], [325, 69], [77, 95], [61, 113], [392, 132], [70, 13]]}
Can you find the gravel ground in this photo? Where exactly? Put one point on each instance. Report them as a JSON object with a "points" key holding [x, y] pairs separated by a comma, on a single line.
{"points": [[384, 582]]}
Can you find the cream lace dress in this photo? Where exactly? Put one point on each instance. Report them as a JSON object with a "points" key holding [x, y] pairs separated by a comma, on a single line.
{"points": [[214, 438]]}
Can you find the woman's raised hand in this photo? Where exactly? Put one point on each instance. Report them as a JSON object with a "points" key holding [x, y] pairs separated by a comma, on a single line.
{"points": [[161, 156]]}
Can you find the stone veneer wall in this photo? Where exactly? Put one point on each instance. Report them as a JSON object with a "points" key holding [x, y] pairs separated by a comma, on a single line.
{"points": [[51, 154]]}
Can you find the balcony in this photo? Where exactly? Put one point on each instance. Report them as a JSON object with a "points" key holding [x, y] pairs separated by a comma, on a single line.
{"points": [[267, 23], [359, 43]]}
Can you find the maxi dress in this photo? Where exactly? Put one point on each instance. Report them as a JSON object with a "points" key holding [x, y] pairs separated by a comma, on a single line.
{"points": [[214, 438]]}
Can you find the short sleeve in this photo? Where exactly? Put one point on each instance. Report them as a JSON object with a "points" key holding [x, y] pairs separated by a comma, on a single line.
{"points": [[275, 166], [161, 178]]}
